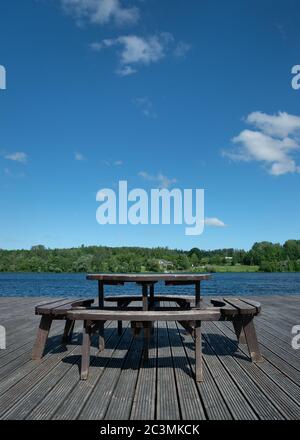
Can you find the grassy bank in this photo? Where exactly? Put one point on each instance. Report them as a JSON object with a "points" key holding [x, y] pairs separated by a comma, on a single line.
{"points": [[230, 269]]}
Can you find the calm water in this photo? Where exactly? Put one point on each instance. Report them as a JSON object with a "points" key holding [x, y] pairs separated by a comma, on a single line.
{"points": [[40, 284]]}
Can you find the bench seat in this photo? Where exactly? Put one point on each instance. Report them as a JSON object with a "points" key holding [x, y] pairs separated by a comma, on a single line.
{"points": [[52, 310], [211, 314], [240, 312]]}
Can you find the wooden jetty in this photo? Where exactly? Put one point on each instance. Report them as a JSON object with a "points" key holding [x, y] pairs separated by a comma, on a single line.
{"points": [[122, 385]]}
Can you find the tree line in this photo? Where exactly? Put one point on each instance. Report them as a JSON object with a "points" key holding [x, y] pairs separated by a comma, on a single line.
{"points": [[263, 256]]}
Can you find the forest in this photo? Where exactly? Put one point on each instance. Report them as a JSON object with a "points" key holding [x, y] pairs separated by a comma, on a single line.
{"points": [[263, 256]]}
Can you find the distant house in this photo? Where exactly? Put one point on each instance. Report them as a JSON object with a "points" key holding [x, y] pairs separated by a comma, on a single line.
{"points": [[165, 264]]}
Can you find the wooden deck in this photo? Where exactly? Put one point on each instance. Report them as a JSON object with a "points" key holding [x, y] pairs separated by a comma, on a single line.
{"points": [[120, 386]]}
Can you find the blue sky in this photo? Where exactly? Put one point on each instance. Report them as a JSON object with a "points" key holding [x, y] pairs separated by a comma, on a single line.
{"points": [[187, 94]]}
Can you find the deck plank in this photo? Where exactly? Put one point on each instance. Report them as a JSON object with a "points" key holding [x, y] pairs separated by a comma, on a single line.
{"points": [[100, 397], [144, 400]]}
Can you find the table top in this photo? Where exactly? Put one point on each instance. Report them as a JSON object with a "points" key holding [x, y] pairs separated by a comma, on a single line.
{"points": [[145, 277]]}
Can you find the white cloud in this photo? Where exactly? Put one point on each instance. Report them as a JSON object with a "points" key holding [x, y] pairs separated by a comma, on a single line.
{"points": [[136, 51], [280, 125], [162, 180], [18, 156], [146, 107], [101, 11], [125, 71], [79, 156], [273, 144], [214, 221], [115, 163]]}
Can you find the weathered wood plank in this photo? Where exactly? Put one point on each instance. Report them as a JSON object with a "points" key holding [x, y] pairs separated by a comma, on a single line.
{"points": [[186, 387], [167, 403], [144, 401], [99, 399], [150, 315]]}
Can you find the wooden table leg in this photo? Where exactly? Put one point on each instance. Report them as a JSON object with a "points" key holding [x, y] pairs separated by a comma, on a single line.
{"points": [[152, 303], [85, 350], [197, 294], [68, 330], [151, 294], [198, 352], [119, 303], [41, 339], [239, 330], [251, 339], [146, 327], [101, 340]]}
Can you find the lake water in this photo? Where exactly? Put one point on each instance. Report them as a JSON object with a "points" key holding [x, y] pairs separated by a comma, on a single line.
{"points": [[45, 284]]}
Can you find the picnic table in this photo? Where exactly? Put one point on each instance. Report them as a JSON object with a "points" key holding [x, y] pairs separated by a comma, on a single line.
{"points": [[149, 298], [187, 311]]}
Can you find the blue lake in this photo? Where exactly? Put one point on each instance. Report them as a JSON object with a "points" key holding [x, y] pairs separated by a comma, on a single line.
{"points": [[45, 284]]}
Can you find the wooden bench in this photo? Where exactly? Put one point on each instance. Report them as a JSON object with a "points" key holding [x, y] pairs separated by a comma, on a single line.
{"points": [[55, 309], [183, 301], [240, 312]]}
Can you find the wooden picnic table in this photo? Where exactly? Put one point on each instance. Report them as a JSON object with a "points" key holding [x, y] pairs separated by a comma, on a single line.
{"points": [[188, 313], [240, 312], [147, 283]]}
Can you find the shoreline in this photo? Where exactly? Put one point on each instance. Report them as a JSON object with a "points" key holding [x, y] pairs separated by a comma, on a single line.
{"points": [[200, 271]]}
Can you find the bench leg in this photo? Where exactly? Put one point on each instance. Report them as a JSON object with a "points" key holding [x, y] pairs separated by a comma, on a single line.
{"points": [[152, 329], [85, 350], [198, 352], [68, 331], [251, 339], [41, 339], [120, 329], [121, 305], [189, 327], [101, 340], [239, 331]]}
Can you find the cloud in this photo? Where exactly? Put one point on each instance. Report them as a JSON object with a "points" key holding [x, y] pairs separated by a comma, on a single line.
{"points": [[280, 125], [79, 156], [273, 142], [17, 156], [115, 163], [141, 51], [101, 11], [181, 49], [137, 50], [214, 221], [125, 71], [146, 107], [163, 181]]}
